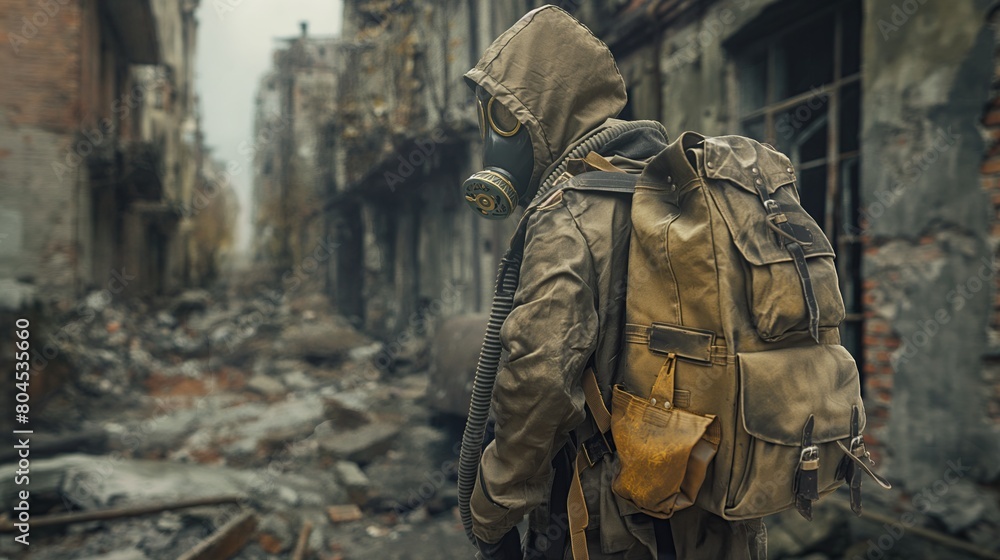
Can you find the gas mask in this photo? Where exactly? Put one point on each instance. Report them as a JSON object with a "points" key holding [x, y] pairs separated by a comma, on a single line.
{"points": [[508, 161]]}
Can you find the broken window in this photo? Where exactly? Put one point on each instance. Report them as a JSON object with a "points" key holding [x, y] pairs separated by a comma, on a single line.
{"points": [[799, 90]]}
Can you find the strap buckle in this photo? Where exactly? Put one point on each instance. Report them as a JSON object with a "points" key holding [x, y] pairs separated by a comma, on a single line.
{"points": [[859, 449], [596, 447], [810, 453]]}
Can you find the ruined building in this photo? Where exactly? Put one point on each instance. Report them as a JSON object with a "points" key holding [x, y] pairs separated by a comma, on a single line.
{"points": [[888, 110], [102, 168], [362, 144]]}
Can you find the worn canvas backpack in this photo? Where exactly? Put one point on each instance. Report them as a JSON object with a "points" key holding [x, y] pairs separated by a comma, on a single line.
{"points": [[736, 394]]}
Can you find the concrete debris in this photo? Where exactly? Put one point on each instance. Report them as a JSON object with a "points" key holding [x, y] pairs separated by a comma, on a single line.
{"points": [[266, 385], [361, 445], [283, 408], [344, 414], [191, 300], [344, 513], [354, 481], [318, 342]]}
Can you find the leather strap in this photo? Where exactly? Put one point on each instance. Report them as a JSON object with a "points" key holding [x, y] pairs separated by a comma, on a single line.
{"points": [[604, 181], [879, 479], [778, 221], [596, 161], [662, 393], [577, 513], [806, 480], [595, 402], [853, 472]]}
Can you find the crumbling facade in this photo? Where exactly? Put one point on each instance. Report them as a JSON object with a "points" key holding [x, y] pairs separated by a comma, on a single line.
{"points": [[100, 150], [370, 211], [107, 189]]}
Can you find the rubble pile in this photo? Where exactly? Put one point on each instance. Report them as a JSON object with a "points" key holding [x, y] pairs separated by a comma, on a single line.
{"points": [[269, 412]]}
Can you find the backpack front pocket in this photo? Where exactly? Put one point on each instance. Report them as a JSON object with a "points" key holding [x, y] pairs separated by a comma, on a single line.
{"points": [[779, 393], [663, 451]]}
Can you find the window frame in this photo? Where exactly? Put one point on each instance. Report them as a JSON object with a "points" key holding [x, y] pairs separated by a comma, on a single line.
{"points": [[842, 203]]}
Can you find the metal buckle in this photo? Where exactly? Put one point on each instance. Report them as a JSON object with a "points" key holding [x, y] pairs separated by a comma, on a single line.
{"points": [[810, 453], [772, 205], [859, 449], [595, 448]]}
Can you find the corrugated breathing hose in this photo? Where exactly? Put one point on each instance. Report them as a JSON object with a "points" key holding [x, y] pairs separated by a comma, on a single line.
{"points": [[508, 276]]}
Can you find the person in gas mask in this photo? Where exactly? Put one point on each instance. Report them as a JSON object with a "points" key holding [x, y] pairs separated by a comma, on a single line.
{"points": [[547, 92]]}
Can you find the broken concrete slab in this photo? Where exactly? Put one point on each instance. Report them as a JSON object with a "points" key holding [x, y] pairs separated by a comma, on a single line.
{"points": [[325, 340], [345, 414], [92, 482], [360, 445], [266, 385], [354, 480]]}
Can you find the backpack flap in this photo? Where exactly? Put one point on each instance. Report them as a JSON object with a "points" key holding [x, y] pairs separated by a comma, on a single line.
{"points": [[795, 404], [753, 188]]}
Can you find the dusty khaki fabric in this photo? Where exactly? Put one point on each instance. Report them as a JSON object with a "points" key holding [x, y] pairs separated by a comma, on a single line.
{"points": [[760, 373], [570, 304], [556, 77], [562, 83]]}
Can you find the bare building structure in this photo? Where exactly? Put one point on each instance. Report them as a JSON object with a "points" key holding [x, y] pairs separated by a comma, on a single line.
{"points": [[100, 148], [105, 183], [382, 133]]}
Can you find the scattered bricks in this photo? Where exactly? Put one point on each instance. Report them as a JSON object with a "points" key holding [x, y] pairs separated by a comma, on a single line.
{"points": [[354, 480], [344, 513], [990, 166], [160, 385], [270, 544], [230, 378], [276, 534], [210, 456]]}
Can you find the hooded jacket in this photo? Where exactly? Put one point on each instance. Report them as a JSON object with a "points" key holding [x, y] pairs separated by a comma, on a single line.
{"points": [[556, 77], [563, 85]]}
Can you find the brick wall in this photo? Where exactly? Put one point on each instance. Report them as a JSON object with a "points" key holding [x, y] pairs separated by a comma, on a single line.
{"points": [[991, 183], [40, 61]]}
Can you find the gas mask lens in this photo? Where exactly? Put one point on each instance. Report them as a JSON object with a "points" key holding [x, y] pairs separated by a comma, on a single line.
{"points": [[501, 120], [507, 161]]}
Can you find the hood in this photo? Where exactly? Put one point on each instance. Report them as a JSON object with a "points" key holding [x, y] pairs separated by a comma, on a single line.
{"points": [[556, 77]]}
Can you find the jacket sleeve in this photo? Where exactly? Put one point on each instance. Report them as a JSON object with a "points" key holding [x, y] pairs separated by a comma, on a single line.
{"points": [[538, 398]]}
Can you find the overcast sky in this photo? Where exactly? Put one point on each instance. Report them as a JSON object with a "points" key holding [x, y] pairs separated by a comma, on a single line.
{"points": [[235, 41]]}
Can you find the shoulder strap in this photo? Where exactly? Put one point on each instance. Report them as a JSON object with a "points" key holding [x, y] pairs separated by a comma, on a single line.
{"points": [[576, 504], [606, 181]]}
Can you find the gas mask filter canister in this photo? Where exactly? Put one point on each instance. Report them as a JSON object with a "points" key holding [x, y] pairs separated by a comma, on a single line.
{"points": [[508, 161]]}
